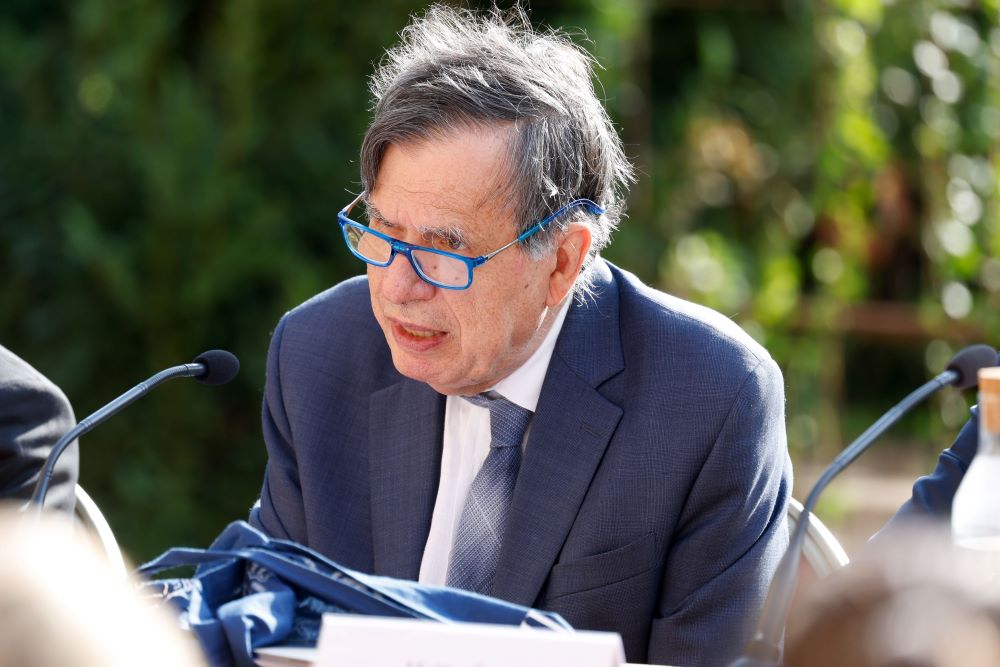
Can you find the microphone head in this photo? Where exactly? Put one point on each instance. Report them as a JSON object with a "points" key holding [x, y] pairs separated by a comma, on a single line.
{"points": [[220, 367], [967, 362]]}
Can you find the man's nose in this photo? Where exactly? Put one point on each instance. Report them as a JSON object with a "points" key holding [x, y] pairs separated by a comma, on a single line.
{"points": [[401, 284]]}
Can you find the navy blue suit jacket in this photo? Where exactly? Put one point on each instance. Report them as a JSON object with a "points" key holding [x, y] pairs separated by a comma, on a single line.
{"points": [[932, 494], [652, 494]]}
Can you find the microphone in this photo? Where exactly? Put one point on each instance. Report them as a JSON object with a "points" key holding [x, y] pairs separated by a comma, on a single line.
{"points": [[764, 650], [213, 367]]}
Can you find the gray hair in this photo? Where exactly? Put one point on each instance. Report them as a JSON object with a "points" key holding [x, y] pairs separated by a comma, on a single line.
{"points": [[457, 69]]}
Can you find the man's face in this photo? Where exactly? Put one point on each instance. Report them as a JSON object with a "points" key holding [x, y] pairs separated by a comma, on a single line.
{"points": [[447, 193]]}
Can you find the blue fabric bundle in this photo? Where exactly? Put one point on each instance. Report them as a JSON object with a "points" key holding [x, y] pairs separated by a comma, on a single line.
{"points": [[250, 590]]}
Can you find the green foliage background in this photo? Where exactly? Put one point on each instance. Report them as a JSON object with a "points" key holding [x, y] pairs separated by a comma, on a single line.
{"points": [[170, 171]]}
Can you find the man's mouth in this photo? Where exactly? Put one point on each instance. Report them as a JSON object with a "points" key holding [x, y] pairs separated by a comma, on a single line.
{"points": [[416, 338], [419, 333]]}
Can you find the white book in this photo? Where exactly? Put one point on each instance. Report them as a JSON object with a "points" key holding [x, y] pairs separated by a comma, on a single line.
{"points": [[600, 648], [350, 641], [285, 656]]}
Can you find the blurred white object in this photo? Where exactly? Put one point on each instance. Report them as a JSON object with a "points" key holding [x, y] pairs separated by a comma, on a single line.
{"points": [[975, 512]]}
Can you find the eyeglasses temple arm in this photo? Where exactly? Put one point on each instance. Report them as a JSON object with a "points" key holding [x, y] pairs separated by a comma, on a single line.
{"points": [[540, 225], [354, 203]]}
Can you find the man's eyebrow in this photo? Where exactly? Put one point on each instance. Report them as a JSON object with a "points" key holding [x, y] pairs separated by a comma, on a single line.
{"points": [[449, 233], [373, 211], [445, 233]]}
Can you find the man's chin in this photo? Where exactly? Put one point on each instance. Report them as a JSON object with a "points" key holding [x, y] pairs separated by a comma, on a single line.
{"points": [[433, 376], [420, 370]]}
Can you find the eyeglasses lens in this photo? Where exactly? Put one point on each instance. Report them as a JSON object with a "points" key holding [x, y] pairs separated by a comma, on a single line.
{"points": [[435, 268], [369, 246], [441, 269]]}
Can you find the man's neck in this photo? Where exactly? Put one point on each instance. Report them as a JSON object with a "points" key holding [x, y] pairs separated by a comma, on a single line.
{"points": [[524, 385]]}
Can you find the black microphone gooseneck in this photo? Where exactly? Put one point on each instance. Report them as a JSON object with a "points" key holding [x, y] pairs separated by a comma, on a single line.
{"points": [[764, 649], [212, 367]]}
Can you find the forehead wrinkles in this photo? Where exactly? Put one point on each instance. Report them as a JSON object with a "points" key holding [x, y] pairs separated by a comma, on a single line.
{"points": [[475, 222], [469, 209], [437, 216]]}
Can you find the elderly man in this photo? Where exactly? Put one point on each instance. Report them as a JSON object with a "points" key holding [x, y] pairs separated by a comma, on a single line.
{"points": [[497, 408], [34, 414]]}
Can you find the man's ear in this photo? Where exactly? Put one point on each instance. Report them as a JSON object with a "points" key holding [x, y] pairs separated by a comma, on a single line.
{"points": [[570, 254]]}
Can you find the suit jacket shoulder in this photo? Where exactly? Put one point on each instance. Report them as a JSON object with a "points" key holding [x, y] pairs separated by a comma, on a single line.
{"points": [[717, 342], [683, 358]]}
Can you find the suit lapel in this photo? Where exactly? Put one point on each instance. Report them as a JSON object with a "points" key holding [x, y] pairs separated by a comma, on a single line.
{"points": [[405, 444], [569, 433]]}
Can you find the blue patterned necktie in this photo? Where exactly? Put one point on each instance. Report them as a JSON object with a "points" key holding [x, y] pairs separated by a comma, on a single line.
{"points": [[476, 551]]}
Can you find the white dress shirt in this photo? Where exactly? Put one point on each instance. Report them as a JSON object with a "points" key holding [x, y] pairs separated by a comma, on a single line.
{"points": [[466, 445]]}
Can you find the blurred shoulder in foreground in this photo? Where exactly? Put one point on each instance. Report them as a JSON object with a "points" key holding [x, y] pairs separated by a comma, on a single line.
{"points": [[62, 606], [913, 600]]}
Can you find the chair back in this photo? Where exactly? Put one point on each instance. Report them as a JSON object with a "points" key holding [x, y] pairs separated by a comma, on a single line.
{"points": [[89, 516], [821, 551]]}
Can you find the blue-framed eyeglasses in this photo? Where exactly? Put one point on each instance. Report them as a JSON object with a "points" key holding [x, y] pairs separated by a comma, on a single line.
{"points": [[437, 267]]}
